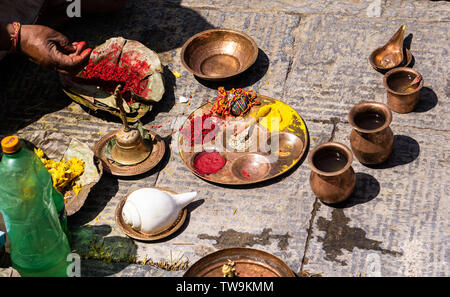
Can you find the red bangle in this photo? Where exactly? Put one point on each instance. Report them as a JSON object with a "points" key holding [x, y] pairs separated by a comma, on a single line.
{"points": [[15, 37]]}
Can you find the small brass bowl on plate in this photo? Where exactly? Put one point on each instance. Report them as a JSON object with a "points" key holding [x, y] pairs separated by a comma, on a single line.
{"points": [[289, 145], [251, 167], [218, 54]]}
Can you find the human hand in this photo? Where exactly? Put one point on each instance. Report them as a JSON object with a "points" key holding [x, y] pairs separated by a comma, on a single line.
{"points": [[51, 49]]}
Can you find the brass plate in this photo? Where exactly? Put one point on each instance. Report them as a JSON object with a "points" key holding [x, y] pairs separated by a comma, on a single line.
{"points": [[249, 263], [294, 136], [146, 236], [159, 148]]}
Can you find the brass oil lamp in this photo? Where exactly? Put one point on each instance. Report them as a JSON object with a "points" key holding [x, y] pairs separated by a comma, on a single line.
{"points": [[130, 148]]}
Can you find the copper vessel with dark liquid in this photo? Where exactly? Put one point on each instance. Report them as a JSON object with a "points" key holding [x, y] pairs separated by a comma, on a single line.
{"points": [[371, 138], [402, 97], [332, 177]]}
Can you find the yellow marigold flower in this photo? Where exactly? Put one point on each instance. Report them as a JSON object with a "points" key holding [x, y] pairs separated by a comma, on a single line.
{"points": [[64, 173]]}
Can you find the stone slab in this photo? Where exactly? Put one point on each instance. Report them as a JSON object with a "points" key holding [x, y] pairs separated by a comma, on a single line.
{"points": [[331, 72], [421, 9], [348, 7], [430, 11], [249, 215], [396, 222], [313, 55]]}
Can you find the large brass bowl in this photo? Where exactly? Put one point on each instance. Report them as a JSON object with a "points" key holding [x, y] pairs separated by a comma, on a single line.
{"points": [[218, 54], [249, 263]]}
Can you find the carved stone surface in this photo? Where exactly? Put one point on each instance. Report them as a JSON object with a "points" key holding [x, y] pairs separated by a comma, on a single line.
{"points": [[314, 56]]}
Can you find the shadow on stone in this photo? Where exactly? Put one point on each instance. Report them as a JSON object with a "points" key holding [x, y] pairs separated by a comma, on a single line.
{"points": [[245, 79], [27, 93], [167, 101], [407, 45], [405, 150], [407, 41], [102, 255], [98, 198], [427, 100], [367, 188], [160, 25]]}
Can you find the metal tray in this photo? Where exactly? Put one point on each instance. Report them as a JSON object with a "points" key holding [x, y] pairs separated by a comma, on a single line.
{"points": [[257, 165]]}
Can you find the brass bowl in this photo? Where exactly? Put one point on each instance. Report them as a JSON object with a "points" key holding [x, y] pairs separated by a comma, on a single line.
{"points": [[218, 54], [251, 167], [249, 263], [289, 145]]}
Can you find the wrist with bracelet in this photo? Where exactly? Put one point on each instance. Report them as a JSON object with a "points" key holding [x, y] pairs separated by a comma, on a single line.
{"points": [[15, 37]]}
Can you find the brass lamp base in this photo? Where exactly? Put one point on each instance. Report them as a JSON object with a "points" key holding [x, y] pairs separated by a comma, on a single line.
{"points": [[130, 148]]}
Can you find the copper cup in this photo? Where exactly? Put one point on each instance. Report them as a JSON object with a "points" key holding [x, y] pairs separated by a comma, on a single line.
{"points": [[332, 177], [371, 138], [395, 81]]}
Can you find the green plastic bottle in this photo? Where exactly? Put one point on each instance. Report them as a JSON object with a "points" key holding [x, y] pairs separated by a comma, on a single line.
{"points": [[38, 244]]}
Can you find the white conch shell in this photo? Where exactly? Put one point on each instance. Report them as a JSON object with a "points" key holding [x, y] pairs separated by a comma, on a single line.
{"points": [[151, 210]]}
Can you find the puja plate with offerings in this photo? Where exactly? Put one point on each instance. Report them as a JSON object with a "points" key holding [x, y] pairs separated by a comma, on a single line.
{"points": [[242, 138]]}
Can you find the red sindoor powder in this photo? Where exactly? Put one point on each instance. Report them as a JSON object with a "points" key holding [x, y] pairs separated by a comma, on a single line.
{"points": [[208, 162], [245, 174], [197, 131], [109, 75]]}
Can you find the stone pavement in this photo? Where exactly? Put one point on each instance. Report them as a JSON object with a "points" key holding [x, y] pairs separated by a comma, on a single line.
{"points": [[314, 56]]}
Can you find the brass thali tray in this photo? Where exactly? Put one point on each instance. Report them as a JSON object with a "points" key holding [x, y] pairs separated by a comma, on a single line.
{"points": [[250, 165], [248, 263]]}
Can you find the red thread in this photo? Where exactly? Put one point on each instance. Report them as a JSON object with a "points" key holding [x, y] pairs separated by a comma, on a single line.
{"points": [[15, 37]]}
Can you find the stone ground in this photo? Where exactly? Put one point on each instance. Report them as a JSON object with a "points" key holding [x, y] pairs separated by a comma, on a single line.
{"points": [[314, 56]]}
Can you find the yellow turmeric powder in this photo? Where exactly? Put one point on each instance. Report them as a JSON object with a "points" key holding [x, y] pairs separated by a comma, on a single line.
{"points": [[276, 116]]}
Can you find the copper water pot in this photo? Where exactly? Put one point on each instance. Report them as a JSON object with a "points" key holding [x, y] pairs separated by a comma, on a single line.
{"points": [[371, 145], [331, 183], [394, 81]]}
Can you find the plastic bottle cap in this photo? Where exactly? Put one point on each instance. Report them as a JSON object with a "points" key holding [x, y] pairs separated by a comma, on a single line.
{"points": [[2, 238], [10, 144]]}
